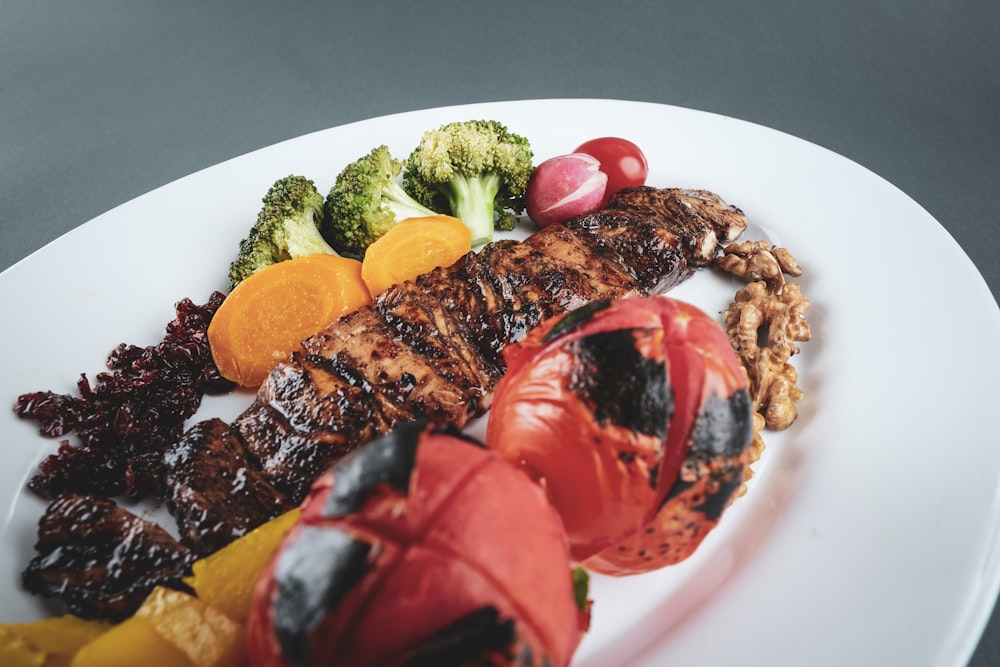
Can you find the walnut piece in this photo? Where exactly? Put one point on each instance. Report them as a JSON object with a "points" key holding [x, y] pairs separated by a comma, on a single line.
{"points": [[765, 321], [759, 260]]}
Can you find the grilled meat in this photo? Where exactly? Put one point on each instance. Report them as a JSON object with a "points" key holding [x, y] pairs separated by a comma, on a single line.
{"points": [[431, 348], [213, 491], [101, 559], [702, 218]]}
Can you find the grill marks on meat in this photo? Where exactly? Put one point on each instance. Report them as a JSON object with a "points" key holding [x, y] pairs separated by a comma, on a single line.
{"points": [[100, 559], [649, 253], [702, 219], [431, 349], [308, 413], [213, 491]]}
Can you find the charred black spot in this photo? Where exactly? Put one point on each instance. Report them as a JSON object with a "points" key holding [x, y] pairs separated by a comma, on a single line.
{"points": [[714, 504], [313, 575], [725, 481], [388, 460], [723, 426], [577, 317], [340, 366], [518, 323], [679, 487], [471, 640], [620, 385]]}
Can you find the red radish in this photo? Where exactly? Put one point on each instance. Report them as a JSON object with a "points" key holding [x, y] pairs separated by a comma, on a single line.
{"points": [[563, 187], [635, 417], [423, 547]]}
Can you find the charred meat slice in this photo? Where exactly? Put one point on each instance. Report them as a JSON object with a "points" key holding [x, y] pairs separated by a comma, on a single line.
{"points": [[101, 559], [702, 218], [405, 382], [470, 301], [485, 304], [419, 321], [642, 245], [308, 413], [578, 276], [213, 491]]}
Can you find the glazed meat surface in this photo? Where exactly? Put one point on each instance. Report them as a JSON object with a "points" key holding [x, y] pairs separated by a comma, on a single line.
{"points": [[701, 218], [212, 490], [101, 559], [431, 348]]}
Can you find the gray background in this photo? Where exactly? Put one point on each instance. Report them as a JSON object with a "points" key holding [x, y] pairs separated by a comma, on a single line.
{"points": [[102, 101]]}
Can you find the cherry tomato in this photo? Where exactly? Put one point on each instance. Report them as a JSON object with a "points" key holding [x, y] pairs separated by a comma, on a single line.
{"points": [[623, 162]]}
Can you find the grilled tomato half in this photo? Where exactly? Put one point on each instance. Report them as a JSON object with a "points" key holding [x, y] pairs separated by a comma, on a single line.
{"points": [[423, 547], [635, 417]]}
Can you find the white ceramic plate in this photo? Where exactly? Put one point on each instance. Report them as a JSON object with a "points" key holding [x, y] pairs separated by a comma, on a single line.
{"points": [[869, 534]]}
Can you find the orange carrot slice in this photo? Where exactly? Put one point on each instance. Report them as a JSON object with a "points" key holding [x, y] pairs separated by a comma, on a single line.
{"points": [[412, 247], [268, 314]]}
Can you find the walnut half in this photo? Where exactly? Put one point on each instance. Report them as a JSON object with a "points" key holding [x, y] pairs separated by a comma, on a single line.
{"points": [[765, 321]]}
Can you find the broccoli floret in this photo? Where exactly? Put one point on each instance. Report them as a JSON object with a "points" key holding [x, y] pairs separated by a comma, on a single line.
{"points": [[476, 170], [366, 201], [287, 227]]}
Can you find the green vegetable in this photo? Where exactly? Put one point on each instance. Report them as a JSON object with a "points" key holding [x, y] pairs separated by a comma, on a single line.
{"points": [[475, 170], [581, 588], [366, 201], [287, 227]]}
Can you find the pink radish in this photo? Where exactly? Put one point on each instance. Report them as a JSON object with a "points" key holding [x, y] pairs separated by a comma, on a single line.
{"points": [[563, 187]]}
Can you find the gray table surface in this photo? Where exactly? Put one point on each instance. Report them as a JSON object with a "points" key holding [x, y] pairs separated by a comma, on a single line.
{"points": [[103, 101]]}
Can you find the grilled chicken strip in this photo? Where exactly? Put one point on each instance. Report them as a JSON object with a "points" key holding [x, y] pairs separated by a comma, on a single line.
{"points": [[431, 348]]}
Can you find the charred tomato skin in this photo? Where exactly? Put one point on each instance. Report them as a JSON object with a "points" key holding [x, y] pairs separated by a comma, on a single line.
{"points": [[634, 415], [415, 551], [710, 476]]}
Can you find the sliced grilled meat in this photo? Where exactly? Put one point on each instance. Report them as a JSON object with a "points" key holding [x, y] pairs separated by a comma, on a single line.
{"points": [[310, 412], [649, 252], [101, 559], [213, 491], [703, 219], [432, 348]]}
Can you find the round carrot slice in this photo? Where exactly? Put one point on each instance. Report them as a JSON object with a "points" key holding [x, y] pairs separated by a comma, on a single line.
{"points": [[268, 314], [412, 247]]}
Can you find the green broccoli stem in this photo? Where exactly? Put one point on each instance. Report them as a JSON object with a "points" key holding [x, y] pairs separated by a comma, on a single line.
{"points": [[402, 204], [472, 199]]}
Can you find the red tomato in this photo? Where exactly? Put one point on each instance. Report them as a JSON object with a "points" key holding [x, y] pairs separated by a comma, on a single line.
{"points": [[422, 547], [635, 418], [623, 162]]}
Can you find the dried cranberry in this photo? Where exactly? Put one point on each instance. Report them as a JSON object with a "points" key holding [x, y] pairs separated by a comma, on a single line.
{"points": [[130, 415]]}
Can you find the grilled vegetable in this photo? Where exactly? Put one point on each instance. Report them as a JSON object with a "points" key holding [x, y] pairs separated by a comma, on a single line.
{"points": [[635, 417], [420, 548]]}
